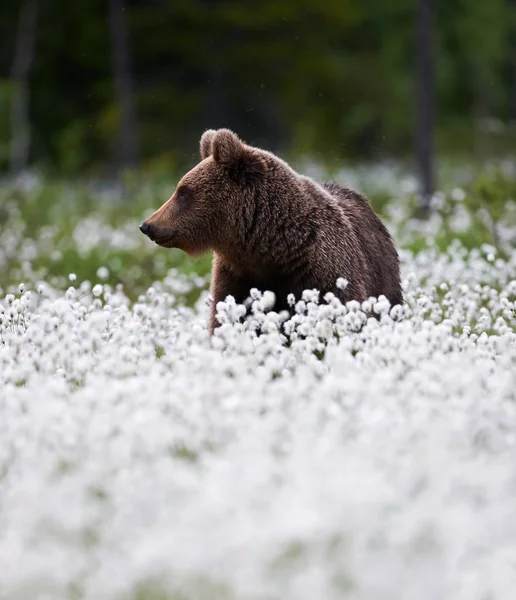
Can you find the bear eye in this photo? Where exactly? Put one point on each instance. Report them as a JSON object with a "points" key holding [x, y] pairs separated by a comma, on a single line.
{"points": [[183, 195]]}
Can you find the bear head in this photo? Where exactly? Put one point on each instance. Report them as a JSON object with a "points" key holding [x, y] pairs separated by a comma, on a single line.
{"points": [[201, 214]]}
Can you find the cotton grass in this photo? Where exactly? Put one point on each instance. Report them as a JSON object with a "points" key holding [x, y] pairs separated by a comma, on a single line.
{"points": [[319, 453]]}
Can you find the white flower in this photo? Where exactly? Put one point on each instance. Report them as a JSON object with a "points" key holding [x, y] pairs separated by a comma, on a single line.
{"points": [[267, 301], [98, 289], [458, 194], [338, 443], [103, 273]]}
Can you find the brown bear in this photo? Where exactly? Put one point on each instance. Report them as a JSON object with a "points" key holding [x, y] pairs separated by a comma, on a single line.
{"points": [[273, 229]]}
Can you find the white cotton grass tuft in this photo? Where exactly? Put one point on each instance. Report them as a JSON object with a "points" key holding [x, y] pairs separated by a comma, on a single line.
{"points": [[342, 283], [97, 290], [103, 273], [331, 451]]}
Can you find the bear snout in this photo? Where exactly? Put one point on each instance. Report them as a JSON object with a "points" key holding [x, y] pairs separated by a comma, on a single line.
{"points": [[145, 228], [164, 237]]}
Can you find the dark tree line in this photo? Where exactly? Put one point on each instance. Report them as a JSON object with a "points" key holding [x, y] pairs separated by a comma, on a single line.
{"points": [[425, 99], [22, 61], [101, 84], [127, 134]]}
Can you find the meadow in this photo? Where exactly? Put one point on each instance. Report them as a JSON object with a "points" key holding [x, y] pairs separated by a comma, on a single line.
{"points": [[333, 456]]}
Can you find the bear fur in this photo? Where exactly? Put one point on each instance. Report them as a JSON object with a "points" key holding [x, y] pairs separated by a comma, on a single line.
{"points": [[273, 229]]}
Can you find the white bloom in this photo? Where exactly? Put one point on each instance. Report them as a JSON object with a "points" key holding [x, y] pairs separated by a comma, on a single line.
{"points": [[458, 194], [103, 273], [315, 453], [97, 290]]}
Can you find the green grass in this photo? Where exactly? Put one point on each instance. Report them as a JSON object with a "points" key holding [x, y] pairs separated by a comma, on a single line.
{"points": [[44, 227], [50, 217]]}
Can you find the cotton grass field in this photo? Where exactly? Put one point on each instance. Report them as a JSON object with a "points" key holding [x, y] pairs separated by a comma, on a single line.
{"points": [[330, 457]]}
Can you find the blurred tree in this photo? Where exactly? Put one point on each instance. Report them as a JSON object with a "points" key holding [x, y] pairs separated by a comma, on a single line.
{"points": [[484, 28], [512, 61], [127, 135], [331, 80], [23, 56], [425, 100]]}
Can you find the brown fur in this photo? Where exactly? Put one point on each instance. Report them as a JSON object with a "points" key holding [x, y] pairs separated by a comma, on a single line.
{"points": [[274, 229]]}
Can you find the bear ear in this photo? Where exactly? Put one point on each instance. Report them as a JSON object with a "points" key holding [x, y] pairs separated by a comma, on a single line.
{"points": [[227, 149], [206, 141], [244, 164]]}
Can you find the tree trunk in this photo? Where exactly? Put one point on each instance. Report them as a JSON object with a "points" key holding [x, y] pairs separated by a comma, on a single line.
{"points": [[512, 62], [483, 138], [127, 138], [425, 102], [23, 56]]}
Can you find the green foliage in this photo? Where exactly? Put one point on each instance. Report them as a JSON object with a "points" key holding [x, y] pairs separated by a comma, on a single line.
{"points": [[57, 218], [491, 191], [489, 202], [331, 79], [62, 228], [70, 148], [5, 98]]}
